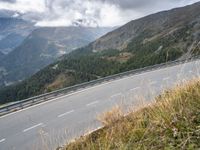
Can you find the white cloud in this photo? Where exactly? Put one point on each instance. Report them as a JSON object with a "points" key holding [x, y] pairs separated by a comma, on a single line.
{"points": [[112, 15], [24, 6], [91, 13], [16, 15], [87, 12]]}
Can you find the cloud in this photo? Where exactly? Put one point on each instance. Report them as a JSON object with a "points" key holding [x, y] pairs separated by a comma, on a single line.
{"points": [[8, 1], [23, 6], [147, 4], [87, 12]]}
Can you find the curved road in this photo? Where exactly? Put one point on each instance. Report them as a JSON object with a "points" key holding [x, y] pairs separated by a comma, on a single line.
{"points": [[53, 123]]}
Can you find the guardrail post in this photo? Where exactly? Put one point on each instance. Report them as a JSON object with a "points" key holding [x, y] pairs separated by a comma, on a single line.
{"points": [[33, 101], [7, 108], [21, 105], [45, 98]]}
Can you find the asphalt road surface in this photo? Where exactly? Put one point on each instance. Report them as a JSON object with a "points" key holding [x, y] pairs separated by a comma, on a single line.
{"points": [[53, 123]]}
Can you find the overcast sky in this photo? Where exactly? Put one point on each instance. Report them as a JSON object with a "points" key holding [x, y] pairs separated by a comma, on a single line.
{"points": [[87, 12]]}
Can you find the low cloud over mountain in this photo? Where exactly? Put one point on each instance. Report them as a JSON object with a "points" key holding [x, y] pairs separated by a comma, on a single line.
{"points": [[87, 12]]}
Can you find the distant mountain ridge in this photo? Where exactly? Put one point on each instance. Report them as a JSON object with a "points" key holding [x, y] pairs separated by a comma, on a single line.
{"points": [[8, 14], [42, 47], [12, 33], [154, 39]]}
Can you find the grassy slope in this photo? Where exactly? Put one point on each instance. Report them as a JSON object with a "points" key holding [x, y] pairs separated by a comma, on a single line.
{"points": [[172, 122]]}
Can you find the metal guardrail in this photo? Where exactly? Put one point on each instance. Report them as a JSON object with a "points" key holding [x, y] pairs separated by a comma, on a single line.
{"points": [[49, 96]]}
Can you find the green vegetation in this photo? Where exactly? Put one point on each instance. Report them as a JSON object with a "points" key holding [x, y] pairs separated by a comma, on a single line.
{"points": [[40, 83], [41, 48], [84, 65], [172, 122]]}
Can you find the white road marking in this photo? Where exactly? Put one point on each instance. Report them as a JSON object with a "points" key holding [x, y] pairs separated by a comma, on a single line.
{"points": [[74, 93], [35, 126], [64, 114], [137, 88], [93, 103], [2, 140], [191, 71], [116, 95], [89, 88], [167, 78]]}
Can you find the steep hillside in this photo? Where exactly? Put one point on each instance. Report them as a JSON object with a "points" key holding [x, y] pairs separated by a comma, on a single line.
{"points": [[161, 37], [12, 32], [42, 47], [151, 27], [151, 127]]}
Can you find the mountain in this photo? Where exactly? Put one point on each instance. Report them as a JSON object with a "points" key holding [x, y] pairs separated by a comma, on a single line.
{"points": [[42, 47], [12, 32], [8, 14], [154, 39], [151, 27]]}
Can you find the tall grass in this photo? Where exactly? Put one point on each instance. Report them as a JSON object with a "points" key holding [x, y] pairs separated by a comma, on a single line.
{"points": [[171, 122]]}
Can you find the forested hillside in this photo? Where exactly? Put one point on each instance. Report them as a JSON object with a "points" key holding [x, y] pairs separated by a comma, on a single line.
{"points": [[42, 47], [149, 46]]}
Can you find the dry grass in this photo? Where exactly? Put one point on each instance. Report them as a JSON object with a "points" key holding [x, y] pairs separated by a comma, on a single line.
{"points": [[59, 82], [122, 57], [171, 122], [110, 117]]}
